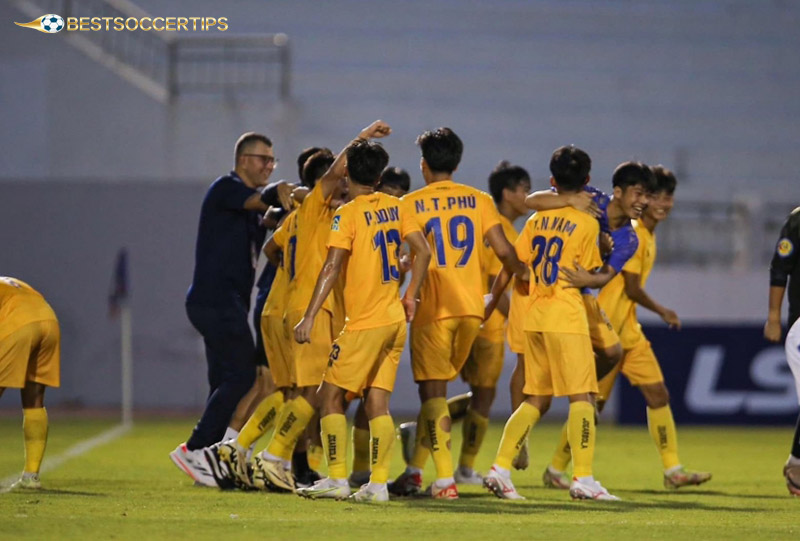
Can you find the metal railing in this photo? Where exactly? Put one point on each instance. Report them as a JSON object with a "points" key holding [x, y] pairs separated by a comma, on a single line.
{"points": [[167, 65]]}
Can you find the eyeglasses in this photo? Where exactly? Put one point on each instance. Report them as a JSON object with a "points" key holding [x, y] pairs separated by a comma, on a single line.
{"points": [[266, 160]]}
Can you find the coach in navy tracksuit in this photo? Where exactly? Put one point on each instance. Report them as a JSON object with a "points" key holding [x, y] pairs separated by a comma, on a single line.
{"points": [[228, 242]]}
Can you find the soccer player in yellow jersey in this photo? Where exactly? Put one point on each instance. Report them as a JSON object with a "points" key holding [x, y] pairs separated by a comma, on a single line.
{"points": [[639, 364], [508, 186], [365, 237], [455, 218], [30, 349], [558, 352], [313, 222]]}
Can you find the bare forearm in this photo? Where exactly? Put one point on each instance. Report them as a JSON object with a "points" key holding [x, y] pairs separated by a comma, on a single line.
{"points": [[640, 297], [547, 200], [775, 300], [419, 269], [325, 282]]}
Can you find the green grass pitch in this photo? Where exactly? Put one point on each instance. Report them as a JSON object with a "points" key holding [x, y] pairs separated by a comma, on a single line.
{"points": [[129, 489]]}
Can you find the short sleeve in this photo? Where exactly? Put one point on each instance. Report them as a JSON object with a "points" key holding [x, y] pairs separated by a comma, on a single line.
{"points": [[342, 230], [636, 262], [408, 222], [624, 249], [231, 194], [784, 259], [489, 215]]}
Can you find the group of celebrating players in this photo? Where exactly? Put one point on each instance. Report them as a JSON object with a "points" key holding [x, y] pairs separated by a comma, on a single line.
{"points": [[334, 322]]}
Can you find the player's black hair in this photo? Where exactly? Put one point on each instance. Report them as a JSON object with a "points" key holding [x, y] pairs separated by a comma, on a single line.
{"points": [[629, 174], [316, 166], [245, 143], [506, 176], [303, 158], [570, 167], [665, 180], [365, 161], [441, 149], [395, 177]]}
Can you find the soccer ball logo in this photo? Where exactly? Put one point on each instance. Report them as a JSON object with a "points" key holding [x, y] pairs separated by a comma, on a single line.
{"points": [[51, 23]]}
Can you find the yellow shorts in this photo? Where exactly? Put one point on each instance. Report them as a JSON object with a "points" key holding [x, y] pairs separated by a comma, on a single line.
{"points": [[515, 335], [484, 364], [440, 349], [279, 350], [559, 364], [31, 353], [639, 364], [310, 359], [601, 332], [366, 358]]}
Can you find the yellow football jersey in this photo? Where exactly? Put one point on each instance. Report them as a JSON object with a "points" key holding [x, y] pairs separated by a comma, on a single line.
{"points": [[619, 308], [493, 328], [549, 240], [454, 219], [312, 222], [20, 304], [285, 237], [372, 227]]}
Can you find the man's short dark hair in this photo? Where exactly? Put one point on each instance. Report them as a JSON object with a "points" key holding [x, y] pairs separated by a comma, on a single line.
{"points": [[441, 149], [303, 158], [365, 161], [506, 176], [665, 180], [395, 177], [629, 174], [316, 166], [246, 141], [570, 167]]}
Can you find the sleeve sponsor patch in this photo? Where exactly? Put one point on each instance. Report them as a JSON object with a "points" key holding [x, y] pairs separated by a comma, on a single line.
{"points": [[785, 247], [335, 223]]}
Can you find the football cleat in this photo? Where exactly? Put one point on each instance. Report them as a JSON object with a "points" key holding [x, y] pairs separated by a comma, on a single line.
{"points": [[467, 476], [371, 493], [521, 461], [683, 478], [448, 492], [589, 490], [27, 481], [408, 440], [406, 484], [458, 406], [270, 475], [358, 479], [501, 486], [193, 464], [223, 475], [338, 489], [552, 478], [791, 472], [235, 457]]}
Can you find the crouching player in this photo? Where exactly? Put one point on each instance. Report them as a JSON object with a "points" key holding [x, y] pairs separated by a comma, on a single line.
{"points": [[364, 239]]}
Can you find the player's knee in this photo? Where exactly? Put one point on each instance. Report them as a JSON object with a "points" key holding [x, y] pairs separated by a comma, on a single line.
{"points": [[656, 395]]}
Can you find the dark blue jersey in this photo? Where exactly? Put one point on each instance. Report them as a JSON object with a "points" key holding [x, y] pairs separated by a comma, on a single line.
{"points": [[785, 266], [229, 239]]}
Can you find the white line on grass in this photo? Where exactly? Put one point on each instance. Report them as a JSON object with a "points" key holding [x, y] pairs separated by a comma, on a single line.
{"points": [[75, 451]]}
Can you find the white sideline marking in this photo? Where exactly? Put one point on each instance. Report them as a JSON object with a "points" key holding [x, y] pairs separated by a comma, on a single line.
{"points": [[75, 451]]}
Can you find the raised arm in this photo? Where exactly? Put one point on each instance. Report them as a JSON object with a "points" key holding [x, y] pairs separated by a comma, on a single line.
{"points": [[336, 171], [277, 194], [325, 282], [550, 200], [419, 268]]}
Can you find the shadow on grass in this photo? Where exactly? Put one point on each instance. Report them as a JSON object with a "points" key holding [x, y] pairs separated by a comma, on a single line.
{"points": [[479, 503], [690, 492], [51, 492]]}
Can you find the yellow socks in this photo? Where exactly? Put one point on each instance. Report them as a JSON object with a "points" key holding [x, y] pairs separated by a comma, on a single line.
{"points": [[422, 450], [436, 419], [474, 429], [293, 419], [515, 433], [381, 431], [580, 435], [34, 428], [315, 456], [563, 454], [262, 419], [334, 439], [361, 449], [662, 430]]}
